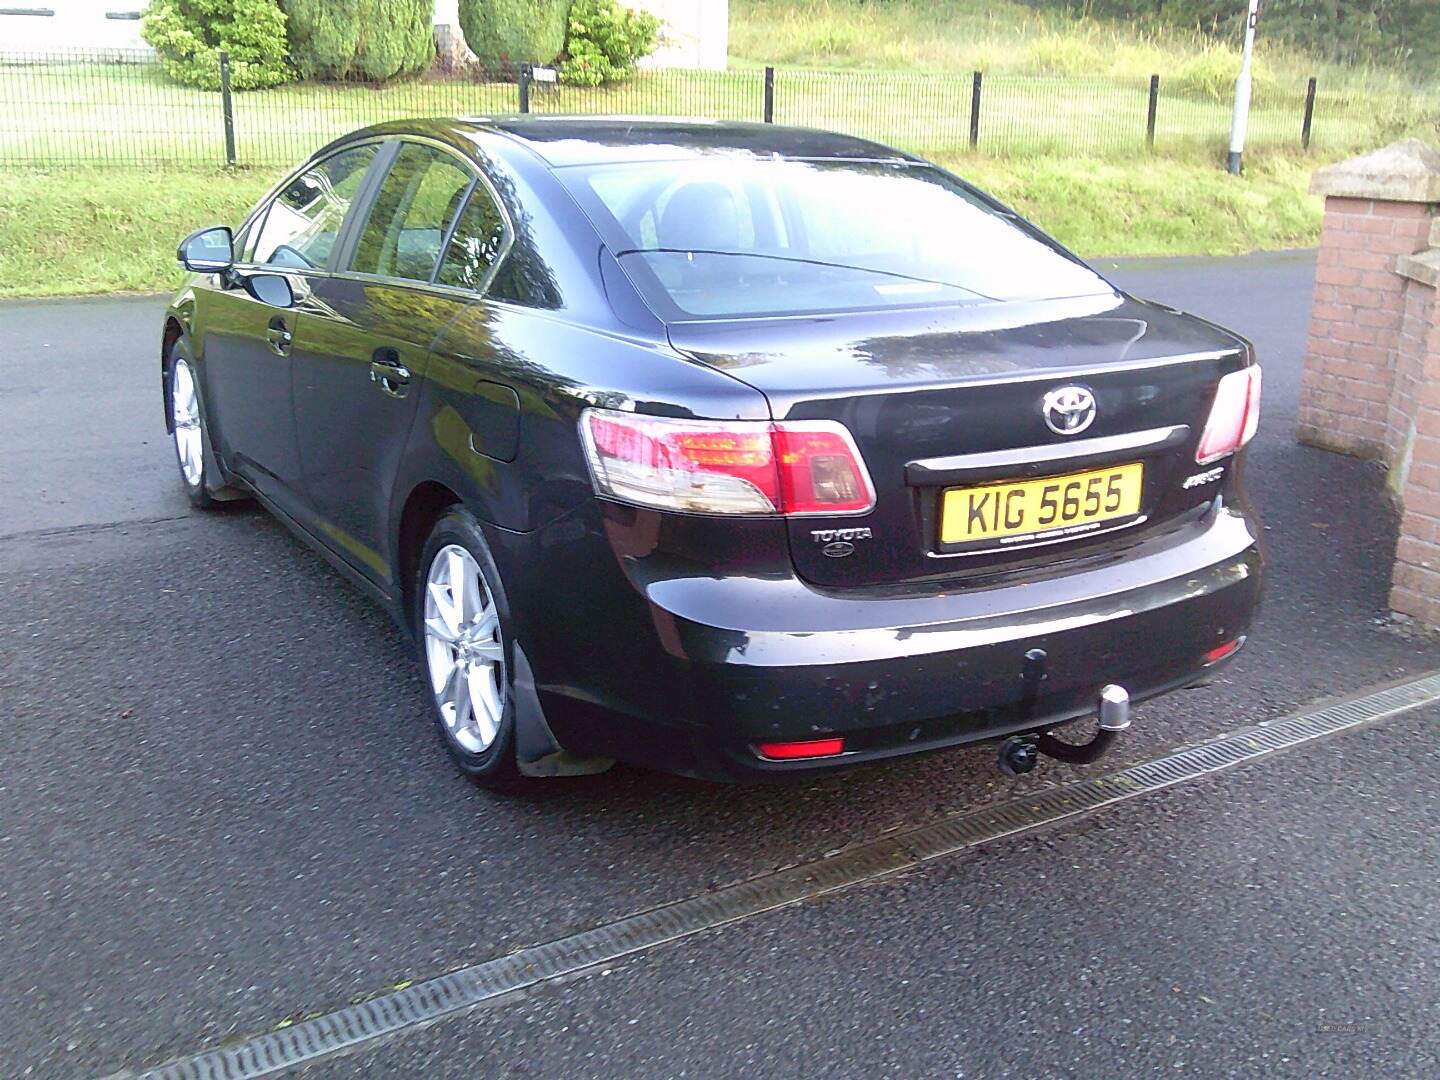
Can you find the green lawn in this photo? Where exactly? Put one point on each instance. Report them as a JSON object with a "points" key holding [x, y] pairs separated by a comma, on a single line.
{"points": [[62, 114]]}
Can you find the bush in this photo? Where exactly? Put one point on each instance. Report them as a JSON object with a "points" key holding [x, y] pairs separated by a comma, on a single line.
{"points": [[605, 40], [836, 40], [189, 36], [1056, 55], [1211, 75], [514, 31], [1340, 29], [364, 40]]}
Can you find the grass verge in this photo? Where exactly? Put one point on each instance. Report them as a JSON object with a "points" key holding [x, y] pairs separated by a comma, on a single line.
{"points": [[68, 232], [1160, 206], [1010, 37]]}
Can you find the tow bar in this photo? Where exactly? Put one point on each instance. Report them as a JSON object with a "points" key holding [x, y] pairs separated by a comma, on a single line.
{"points": [[1021, 753]]}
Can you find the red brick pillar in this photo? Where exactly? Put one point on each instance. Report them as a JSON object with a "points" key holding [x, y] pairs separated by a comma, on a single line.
{"points": [[1415, 472], [1371, 385]]}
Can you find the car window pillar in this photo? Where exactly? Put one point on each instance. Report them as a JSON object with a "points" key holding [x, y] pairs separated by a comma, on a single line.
{"points": [[359, 209]]}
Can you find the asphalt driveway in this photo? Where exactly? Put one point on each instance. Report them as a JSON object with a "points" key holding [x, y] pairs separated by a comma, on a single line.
{"points": [[221, 806]]}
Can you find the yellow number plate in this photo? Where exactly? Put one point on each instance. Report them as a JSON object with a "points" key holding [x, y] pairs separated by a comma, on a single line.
{"points": [[1051, 507]]}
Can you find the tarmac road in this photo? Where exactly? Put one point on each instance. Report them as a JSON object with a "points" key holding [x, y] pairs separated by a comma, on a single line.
{"points": [[221, 806]]}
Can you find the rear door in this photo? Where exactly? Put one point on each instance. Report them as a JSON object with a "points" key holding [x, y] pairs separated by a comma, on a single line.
{"points": [[361, 351], [248, 346]]}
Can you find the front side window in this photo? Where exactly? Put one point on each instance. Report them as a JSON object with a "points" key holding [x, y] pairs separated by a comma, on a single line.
{"points": [[411, 217], [763, 236], [299, 228], [476, 243]]}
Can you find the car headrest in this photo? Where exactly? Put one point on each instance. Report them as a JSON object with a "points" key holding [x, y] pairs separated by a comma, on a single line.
{"points": [[701, 216]]}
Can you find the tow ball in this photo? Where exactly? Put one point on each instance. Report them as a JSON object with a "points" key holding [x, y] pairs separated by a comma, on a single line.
{"points": [[1021, 753]]}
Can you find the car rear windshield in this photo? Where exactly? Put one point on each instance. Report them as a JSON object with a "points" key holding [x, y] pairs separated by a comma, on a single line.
{"points": [[728, 237]]}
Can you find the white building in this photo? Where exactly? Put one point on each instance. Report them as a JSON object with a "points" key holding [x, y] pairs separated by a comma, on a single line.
{"points": [[47, 25], [695, 32]]}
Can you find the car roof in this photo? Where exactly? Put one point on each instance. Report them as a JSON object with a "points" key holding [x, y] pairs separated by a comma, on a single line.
{"points": [[586, 140]]}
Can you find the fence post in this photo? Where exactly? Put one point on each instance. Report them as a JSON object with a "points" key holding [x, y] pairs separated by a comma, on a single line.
{"points": [[227, 108], [769, 94], [524, 82], [1309, 114], [975, 110], [1150, 114]]}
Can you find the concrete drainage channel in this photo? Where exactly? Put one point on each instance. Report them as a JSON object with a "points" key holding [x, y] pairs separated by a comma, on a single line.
{"points": [[350, 1027]]}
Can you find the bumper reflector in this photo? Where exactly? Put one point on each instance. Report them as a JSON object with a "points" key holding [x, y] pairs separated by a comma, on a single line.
{"points": [[1220, 652], [811, 748]]}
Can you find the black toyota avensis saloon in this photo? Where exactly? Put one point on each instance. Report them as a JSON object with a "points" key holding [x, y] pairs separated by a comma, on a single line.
{"points": [[729, 449]]}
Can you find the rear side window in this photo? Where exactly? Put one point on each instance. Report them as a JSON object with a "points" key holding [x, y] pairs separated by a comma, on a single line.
{"points": [[301, 223], [476, 243], [411, 217]]}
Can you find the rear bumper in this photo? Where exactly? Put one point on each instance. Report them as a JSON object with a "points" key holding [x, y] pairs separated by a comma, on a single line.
{"points": [[735, 661]]}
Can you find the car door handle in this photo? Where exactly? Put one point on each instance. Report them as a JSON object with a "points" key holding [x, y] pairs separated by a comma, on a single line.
{"points": [[278, 336], [388, 373]]}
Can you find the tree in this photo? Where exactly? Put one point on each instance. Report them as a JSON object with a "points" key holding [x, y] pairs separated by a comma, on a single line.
{"points": [[190, 35], [364, 40], [514, 31]]}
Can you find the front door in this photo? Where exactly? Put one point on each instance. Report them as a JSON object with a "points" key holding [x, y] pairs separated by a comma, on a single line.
{"points": [[248, 345], [246, 365], [360, 354]]}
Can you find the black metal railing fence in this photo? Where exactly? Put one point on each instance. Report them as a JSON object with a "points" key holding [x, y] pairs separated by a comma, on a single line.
{"points": [[118, 107]]}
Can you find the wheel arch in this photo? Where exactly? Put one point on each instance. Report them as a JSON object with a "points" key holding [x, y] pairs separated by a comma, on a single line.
{"points": [[425, 504], [172, 333], [537, 751]]}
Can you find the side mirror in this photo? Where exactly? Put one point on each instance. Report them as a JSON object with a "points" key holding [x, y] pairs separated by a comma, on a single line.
{"points": [[208, 251], [273, 289]]}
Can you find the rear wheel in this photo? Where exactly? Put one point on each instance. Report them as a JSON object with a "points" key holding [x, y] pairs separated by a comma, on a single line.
{"points": [[462, 623]]}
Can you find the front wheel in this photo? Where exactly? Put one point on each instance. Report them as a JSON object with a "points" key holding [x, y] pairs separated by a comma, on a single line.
{"points": [[198, 471], [462, 622]]}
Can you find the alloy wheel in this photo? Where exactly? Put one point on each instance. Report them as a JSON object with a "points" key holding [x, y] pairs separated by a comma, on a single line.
{"points": [[185, 414], [463, 650]]}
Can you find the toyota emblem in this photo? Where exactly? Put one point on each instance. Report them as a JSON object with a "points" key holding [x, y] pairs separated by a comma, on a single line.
{"points": [[1068, 410]]}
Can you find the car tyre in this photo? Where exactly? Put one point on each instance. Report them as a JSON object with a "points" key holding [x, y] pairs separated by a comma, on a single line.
{"points": [[190, 435], [462, 631]]}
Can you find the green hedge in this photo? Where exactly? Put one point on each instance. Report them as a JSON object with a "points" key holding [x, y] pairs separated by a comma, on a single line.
{"points": [[604, 42], [362, 40], [189, 36], [515, 31]]}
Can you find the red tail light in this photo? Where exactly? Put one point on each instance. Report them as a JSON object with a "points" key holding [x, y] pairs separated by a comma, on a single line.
{"points": [[789, 751], [809, 467], [1234, 416], [820, 469]]}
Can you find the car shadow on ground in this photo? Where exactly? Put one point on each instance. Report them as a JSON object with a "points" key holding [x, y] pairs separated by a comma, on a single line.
{"points": [[1322, 632]]}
